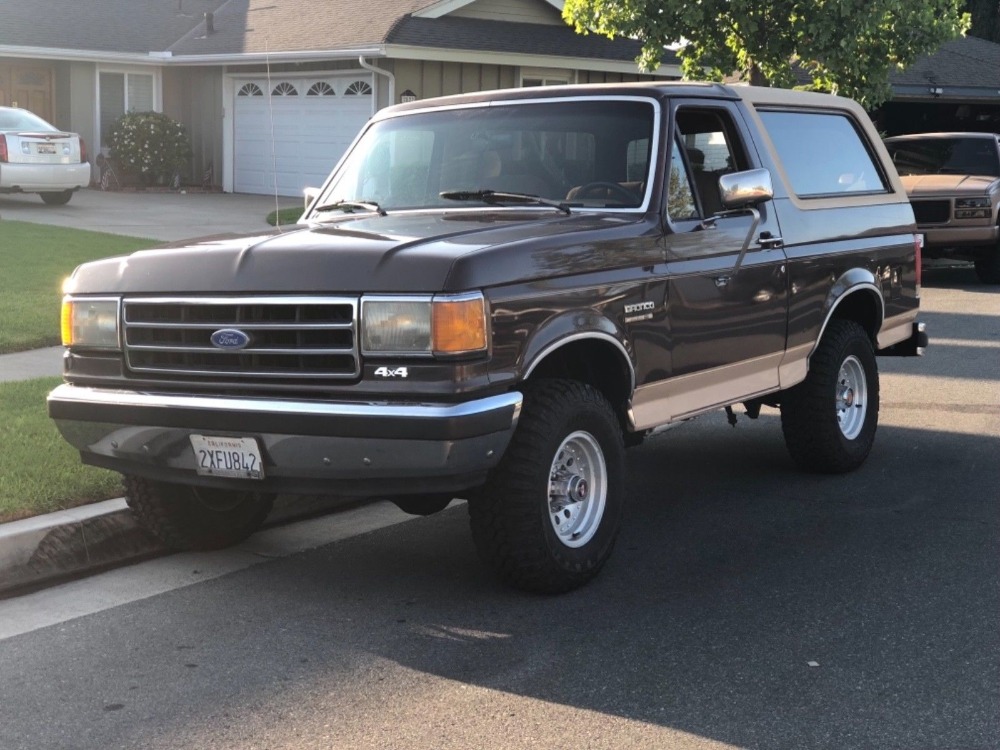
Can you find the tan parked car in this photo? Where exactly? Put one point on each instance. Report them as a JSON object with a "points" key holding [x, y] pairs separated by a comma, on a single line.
{"points": [[953, 181], [36, 157]]}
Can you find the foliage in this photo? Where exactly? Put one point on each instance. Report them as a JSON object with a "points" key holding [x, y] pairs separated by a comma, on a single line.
{"points": [[284, 217], [150, 145], [985, 19], [36, 258], [847, 46]]}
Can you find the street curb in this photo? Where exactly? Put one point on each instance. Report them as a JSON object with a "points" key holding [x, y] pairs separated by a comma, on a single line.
{"points": [[39, 550], [44, 550]]}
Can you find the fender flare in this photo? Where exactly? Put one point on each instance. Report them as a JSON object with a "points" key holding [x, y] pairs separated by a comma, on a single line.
{"points": [[572, 326], [853, 281]]}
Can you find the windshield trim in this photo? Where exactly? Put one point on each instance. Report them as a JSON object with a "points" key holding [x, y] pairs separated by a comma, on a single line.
{"points": [[388, 114]]}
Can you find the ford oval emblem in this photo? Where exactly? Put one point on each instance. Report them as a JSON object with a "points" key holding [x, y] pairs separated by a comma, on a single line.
{"points": [[230, 338]]}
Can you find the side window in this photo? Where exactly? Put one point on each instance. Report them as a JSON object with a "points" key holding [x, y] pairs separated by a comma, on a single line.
{"points": [[680, 194], [822, 154], [713, 149]]}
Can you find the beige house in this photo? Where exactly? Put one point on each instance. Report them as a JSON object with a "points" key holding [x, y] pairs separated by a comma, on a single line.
{"points": [[273, 91]]}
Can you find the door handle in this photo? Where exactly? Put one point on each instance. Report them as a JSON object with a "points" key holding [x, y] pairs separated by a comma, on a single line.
{"points": [[769, 241]]}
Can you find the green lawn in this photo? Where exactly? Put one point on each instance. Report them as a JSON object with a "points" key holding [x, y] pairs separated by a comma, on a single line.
{"points": [[287, 216], [35, 259], [39, 471]]}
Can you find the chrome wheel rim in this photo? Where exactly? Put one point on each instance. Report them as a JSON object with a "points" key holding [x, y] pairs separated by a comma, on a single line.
{"points": [[852, 397], [578, 489]]}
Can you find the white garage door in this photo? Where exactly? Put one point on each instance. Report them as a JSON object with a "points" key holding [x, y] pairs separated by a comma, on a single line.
{"points": [[314, 121]]}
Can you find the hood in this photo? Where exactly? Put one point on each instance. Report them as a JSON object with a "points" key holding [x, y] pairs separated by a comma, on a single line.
{"points": [[397, 253], [953, 184]]}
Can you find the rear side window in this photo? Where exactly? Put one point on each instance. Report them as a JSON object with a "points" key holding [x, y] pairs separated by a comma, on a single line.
{"points": [[822, 154]]}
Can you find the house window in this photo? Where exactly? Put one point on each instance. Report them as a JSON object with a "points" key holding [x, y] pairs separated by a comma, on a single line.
{"points": [[121, 93], [321, 88], [357, 88], [543, 77], [250, 89], [284, 89]]}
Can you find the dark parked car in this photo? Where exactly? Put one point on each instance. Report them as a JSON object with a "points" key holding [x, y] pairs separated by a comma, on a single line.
{"points": [[491, 297]]}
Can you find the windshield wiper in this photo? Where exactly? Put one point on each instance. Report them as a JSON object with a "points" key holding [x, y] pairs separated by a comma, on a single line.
{"points": [[496, 198], [348, 207]]}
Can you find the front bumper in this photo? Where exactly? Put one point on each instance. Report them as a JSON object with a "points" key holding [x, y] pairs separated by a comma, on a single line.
{"points": [[938, 237], [307, 446]]}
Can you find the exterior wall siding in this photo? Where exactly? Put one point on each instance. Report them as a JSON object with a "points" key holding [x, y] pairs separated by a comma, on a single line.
{"points": [[83, 105], [520, 11], [427, 79], [193, 96]]}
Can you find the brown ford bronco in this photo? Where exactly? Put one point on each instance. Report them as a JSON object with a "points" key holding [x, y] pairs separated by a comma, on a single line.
{"points": [[953, 180], [490, 298]]}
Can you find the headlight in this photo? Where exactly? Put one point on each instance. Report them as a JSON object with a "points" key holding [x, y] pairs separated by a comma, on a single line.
{"points": [[445, 325], [90, 323], [972, 202]]}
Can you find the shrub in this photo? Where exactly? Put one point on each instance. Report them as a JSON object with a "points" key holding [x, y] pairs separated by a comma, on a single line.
{"points": [[149, 145]]}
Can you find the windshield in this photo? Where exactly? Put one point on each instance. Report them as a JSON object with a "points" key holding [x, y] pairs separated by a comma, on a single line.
{"points": [[14, 120], [976, 156], [589, 154]]}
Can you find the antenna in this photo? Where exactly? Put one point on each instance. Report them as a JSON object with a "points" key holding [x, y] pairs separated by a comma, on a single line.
{"points": [[270, 114]]}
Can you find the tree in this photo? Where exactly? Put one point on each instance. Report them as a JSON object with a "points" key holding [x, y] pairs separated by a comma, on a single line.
{"points": [[848, 46], [985, 19]]}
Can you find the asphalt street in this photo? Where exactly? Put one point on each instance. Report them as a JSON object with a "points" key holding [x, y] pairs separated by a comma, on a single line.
{"points": [[746, 605]]}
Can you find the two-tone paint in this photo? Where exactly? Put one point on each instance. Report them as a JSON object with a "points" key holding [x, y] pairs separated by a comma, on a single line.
{"points": [[650, 310]]}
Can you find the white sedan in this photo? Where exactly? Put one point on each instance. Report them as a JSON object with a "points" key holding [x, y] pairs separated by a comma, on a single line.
{"points": [[36, 157]]}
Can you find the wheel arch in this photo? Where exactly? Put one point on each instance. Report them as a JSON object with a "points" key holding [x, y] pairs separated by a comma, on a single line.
{"points": [[855, 296], [597, 356]]}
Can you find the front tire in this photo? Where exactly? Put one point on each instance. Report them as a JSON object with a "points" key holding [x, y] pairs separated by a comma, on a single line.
{"points": [[829, 419], [57, 199], [547, 519], [195, 518]]}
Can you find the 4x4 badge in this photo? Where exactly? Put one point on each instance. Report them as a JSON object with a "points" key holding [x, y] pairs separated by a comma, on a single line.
{"points": [[391, 372]]}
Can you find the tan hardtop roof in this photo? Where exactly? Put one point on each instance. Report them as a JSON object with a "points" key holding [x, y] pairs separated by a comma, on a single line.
{"points": [[957, 134], [753, 95]]}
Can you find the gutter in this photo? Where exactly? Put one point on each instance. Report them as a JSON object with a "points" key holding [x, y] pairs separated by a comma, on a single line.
{"points": [[378, 71], [167, 58]]}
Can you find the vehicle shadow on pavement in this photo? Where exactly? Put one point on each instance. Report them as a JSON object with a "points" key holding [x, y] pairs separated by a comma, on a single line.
{"points": [[746, 604]]}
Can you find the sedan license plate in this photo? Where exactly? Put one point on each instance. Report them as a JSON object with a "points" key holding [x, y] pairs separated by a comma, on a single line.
{"points": [[237, 457], [45, 148]]}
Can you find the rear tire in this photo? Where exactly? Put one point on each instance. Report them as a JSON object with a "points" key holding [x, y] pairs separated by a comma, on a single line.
{"points": [[988, 267], [829, 419], [195, 518], [547, 519], [57, 199]]}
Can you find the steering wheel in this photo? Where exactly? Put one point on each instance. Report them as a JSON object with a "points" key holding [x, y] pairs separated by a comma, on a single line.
{"points": [[605, 189]]}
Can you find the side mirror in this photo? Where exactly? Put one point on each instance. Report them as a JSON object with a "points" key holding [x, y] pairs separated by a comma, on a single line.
{"points": [[743, 189]]}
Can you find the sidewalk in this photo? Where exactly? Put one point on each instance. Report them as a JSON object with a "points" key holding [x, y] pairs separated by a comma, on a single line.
{"points": [[45, 549], [38, 363]]}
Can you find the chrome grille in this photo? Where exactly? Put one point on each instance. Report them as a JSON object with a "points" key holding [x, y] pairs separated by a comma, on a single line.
{"points": [[931, 212], [288, 337]]}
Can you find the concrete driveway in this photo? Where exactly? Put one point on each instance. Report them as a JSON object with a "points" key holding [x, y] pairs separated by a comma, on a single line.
{"points": [[164, 216]]}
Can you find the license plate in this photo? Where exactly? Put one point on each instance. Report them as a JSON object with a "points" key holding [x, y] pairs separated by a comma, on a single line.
{"points": [[237, 457], [45, 148]]}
